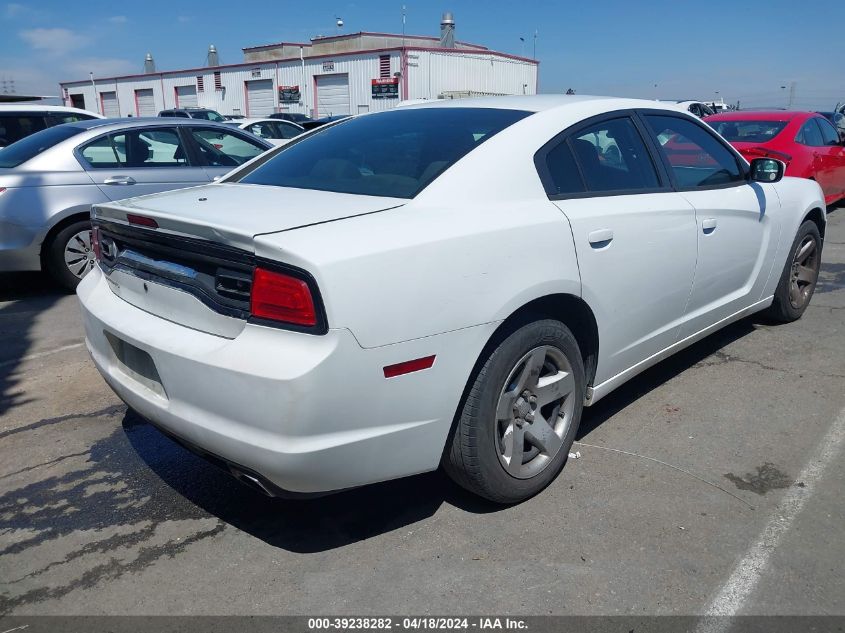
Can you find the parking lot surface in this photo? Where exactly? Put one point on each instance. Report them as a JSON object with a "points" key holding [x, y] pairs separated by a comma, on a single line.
{"points": [[711, 482]]}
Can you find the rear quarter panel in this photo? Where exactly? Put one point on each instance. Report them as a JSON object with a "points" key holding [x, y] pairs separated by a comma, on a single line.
{"points": [[417, 271]]}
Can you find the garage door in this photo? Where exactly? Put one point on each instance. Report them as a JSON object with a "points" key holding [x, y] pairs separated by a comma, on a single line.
{"points": [[145, 104], [186, 96], [109, 102], [259, 97], [332, 95]]}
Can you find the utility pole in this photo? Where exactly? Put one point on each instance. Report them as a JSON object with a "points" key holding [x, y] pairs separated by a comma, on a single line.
{"points": [[534, 56], [791, 95]]}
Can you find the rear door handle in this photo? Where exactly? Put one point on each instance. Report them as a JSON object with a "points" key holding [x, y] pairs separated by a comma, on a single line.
{"points": [[119, 180], [708, 225], [600, 237]]}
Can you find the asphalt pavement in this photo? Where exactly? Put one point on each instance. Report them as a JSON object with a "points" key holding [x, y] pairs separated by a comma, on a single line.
{"points": [[712, 482]]}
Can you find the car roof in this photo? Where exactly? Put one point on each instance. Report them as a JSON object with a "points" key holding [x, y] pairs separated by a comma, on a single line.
{"points": [[186, 108], [31, 107], [143, 122], [259, 119], [539, 103], [761, 115]]}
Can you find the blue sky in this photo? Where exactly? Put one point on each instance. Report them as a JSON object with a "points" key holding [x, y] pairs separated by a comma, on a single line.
{"points": [[674, 49]]}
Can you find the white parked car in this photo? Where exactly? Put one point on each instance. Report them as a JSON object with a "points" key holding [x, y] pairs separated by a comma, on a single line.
{"points": [[446, 283], [275, 131]]}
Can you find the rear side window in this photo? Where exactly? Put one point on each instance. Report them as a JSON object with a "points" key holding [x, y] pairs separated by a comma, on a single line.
{"points": [[395, 153], [829, 134], [563, 170], [613, 157], [287, 130], [14, 127], [810, 135], [34, 144], [57, 118], [694, 155], [136, 149]]}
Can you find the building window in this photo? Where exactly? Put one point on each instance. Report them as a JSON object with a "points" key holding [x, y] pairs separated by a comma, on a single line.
{"points": [[384, 65], [200, 86], [218, 81]]}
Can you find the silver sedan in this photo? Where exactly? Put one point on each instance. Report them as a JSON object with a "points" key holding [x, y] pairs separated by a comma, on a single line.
{"points": [[49, 180]]}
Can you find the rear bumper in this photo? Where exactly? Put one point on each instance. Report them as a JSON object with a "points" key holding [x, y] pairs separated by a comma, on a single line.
{"points": [[307, 413]]}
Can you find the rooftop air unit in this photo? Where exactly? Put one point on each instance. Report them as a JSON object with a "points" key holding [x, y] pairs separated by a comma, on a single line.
{"points": [[149, 64]]}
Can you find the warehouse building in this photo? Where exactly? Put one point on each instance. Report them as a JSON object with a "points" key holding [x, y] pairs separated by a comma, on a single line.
{"points": [[340, 74]]}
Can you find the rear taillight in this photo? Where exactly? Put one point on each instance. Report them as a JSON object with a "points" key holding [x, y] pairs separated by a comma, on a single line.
{"points": [[141, 220], [95, 243], [2, 189], [768, 153], [280, 297]]}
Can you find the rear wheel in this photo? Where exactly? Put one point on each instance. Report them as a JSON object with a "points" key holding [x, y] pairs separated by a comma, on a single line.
{"points": [[69, 255], [799, 276], [520, 416]]}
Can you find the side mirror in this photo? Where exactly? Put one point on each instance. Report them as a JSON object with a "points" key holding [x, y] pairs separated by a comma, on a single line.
{"points": [[767, 170]]}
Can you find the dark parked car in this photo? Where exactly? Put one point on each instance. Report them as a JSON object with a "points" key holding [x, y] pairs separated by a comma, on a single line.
{"points": [[296, 117], [312, 123], [19, 121], [193, 113]]}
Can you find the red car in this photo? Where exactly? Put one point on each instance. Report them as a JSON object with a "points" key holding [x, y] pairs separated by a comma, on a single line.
{"points": [[806, 141]]}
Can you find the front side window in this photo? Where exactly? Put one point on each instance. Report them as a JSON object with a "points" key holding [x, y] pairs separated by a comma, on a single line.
{"points": [[135, 149], [394, 153], [695, 157], [748, 130], [218, 148], [613, 157], [810, 135]]}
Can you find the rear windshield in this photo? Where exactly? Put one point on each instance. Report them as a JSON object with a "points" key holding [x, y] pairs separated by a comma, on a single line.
{"points": [[394, 154], [18, 153], [748, 131]]}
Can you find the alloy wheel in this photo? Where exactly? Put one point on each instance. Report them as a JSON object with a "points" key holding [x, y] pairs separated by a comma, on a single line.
{"points": [[79, 255], [534, 411], [804, 272]]}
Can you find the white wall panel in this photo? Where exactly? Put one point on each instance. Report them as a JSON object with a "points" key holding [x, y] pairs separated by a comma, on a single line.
{"points": [[429, 74]]}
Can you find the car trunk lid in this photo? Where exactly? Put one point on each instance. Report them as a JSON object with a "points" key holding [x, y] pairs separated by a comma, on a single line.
{"points": [[233, 214]]}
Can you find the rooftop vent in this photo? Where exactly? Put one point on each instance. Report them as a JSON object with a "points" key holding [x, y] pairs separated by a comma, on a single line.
{"points": [[149, 64], [447, 31], [213, 59]]}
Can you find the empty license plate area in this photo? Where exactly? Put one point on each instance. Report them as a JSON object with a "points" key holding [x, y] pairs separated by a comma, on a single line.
{"points": [[137, 364]]}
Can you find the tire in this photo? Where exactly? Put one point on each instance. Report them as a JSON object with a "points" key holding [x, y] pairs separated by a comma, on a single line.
{"points": [[508, 403], [799, 276], [78, 248]]}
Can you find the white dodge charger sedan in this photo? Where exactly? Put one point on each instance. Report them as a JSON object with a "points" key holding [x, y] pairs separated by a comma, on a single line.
{"points": [[448, 283]]}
